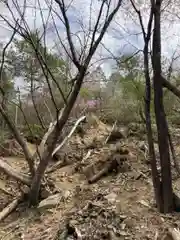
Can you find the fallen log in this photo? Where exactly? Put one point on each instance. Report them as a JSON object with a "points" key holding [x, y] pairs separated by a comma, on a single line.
{"points": [[59, 163], [115, 162], [10, 171], [111, 166], [99, 175], [10, 208]]}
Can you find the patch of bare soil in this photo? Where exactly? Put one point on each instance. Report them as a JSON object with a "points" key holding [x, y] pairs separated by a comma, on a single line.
{"points": [[118, 204]]}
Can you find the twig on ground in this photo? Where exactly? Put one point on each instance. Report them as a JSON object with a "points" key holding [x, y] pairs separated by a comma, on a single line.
{"points": [[10, 208], [113, 127], [56, 165], [3, 189]]}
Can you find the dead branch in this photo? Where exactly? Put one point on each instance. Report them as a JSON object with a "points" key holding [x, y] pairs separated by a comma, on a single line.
{"points": [[59, 163], [19, 139], [10, 171], [10, 208], [87, 155], [69, 135], [101, 173], [4, 190], [115, 162], [107, 139], [50, 113], [171, 87], [56, 129]]}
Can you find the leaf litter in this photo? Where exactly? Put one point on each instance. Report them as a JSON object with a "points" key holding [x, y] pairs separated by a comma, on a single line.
{"points": [[117, 205]]}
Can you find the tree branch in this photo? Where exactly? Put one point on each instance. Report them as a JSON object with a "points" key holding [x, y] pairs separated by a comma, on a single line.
{"points": [[19, 139], [68, 32]]}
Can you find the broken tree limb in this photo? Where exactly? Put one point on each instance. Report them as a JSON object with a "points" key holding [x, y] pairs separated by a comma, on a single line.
{"points": [[107, 139], [10, 208], [19, 139], [171, 87], [69, 135], [99, 175], [4, 190], [59, 163], [87, 155], [10, 171], [54, 167], [114, 164]]}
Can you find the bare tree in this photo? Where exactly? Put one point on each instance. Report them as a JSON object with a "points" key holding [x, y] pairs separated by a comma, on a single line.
{"points": [[163, 182], [93, 40]]}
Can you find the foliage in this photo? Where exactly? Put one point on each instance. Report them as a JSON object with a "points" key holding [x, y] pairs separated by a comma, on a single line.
{"points": [[85, 93], [33, 133], [32, 67], [7, 85], [27, 58]]}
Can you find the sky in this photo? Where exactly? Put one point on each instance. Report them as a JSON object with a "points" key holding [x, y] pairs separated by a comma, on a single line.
{"points": [[123, 36]]}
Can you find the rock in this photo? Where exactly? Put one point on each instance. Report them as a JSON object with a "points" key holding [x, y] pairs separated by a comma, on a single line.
{"points": [[144, 203], [73, 222], [111, 197], [50, 202]]}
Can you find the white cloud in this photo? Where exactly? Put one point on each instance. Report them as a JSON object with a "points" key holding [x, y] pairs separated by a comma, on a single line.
{"points": [[122, 36]]}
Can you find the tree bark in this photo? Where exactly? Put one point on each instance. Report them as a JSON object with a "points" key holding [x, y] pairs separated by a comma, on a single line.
{"points": [[155, 177], [162, 128], [35, 187]]}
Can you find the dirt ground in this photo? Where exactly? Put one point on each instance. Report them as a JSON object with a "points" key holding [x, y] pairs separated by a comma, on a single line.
{"points": [[118, 206]]}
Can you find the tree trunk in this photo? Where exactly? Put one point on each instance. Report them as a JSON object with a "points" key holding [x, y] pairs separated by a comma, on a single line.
{"points": [[162, 129], [20, 140], [36, 183], [155, 177]]}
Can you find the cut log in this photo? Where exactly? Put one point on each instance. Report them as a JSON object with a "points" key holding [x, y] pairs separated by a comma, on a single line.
{"points": [[10, 208], [10, 171]]}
